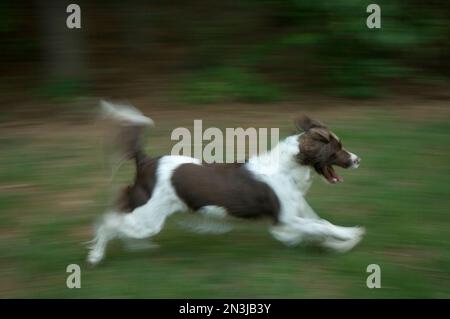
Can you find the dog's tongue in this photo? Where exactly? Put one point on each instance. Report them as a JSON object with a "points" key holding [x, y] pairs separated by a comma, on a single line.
{"points": [[331, 175]]}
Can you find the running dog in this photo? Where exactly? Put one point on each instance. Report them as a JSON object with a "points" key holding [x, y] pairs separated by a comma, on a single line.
{"points": [[272, 185]]}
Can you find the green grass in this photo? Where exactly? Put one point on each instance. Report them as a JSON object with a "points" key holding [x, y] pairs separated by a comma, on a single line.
{"points": [[52, 193]]}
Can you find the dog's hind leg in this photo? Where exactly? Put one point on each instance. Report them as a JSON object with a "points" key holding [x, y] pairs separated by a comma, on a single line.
{"points": [[145, 221], [124, 226], [106, 231]]}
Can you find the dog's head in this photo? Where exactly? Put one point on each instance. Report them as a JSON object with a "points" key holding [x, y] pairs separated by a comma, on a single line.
{"points": [[321, 149]]}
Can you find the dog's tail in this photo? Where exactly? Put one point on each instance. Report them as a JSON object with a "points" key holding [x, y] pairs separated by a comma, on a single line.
{"points": [[129, 125]]}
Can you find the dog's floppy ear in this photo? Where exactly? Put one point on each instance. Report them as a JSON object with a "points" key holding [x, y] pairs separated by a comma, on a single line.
{"points": [[321, 134], [305, 123]]}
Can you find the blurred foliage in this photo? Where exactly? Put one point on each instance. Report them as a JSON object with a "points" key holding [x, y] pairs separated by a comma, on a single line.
{"points": [[236, 50], [227, 84], [64, 89], [328, 44]]}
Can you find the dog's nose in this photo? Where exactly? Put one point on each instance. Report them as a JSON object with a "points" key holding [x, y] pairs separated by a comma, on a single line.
{"points": [[354, 160]]}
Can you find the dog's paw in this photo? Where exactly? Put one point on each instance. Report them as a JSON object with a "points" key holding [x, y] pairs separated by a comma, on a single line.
{"points": [[341, 246], [351, 233], [359, 231], [94, 257]]}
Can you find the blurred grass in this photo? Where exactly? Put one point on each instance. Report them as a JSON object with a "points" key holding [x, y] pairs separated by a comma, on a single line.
{"points": [[54, 186]]}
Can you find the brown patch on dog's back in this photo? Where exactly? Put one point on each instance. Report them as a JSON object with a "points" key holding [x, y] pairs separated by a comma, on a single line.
{"points": [[230, 186]]}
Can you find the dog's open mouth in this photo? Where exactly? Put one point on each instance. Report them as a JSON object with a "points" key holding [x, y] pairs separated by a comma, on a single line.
{"points": [[330, 175]]}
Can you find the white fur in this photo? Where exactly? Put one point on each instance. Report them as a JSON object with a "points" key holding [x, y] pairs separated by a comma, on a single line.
{"points": [[290, 182], [355, 160], [298, 223], [124, 114], [146, 220]]}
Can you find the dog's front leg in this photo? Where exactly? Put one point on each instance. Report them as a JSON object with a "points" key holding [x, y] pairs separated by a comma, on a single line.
{"points": [[321, 229], [337, 237], [341, 246], [293, 230], [304, 210]]}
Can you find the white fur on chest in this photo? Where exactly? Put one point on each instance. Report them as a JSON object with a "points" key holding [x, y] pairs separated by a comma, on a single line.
{"points": [[280, 168], [281, 171]]}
